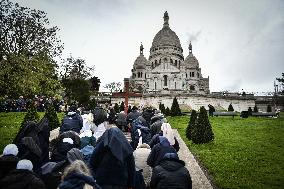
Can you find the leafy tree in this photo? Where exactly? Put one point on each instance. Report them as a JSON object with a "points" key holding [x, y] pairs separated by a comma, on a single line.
{"points": [[255, 109], [167, 111], [51, 115], [121, 107], [202, 131], [116, 108], [92, 104], [269, 109], [31, 115], [113, 86], [95, 83], [28, 48], [230, 108], [190, 125], [175, 110], [281, 80], [75, 80]]}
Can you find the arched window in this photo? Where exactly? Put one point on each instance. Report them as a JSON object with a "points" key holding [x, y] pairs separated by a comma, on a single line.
{"points": [[175, 62], [145, 75], [186, 75], [175, 85], [152, 64], [198, 74], [160, 61], [155, 61], [171, 60], [155, 85], [192, 88], [165, 80], [192, 74]]}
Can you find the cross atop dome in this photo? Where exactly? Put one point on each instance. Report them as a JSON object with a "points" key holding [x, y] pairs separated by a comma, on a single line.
{"points": [[190, 47], [166, 19], [141, 48]]}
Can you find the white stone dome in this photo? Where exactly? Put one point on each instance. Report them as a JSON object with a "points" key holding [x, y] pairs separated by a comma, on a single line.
{"points": [[140, 62], [191, 62], [166, 37]]}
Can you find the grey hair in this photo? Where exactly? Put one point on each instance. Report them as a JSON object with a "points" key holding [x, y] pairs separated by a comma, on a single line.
{"points": [[77, 166]]}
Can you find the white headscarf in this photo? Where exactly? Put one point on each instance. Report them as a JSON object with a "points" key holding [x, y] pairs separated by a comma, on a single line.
{"points": [[140, 138], [100, 130], [88, 122], [11, 149], [168, 133], [68, 140], [25, 164], [86, 133]]}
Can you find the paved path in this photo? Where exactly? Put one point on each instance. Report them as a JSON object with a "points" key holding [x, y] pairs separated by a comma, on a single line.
{"points": [[199, 180]]}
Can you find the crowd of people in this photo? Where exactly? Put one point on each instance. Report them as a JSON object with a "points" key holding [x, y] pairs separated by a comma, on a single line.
{"points": [[21, 104], [92, 151]]}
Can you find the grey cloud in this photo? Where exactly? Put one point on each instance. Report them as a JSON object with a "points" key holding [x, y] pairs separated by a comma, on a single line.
{"points": [[193, 36]]}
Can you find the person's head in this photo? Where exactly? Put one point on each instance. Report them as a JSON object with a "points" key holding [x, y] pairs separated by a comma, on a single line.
{"points": [[25, 164], [78, 166], [100, 116], [134, 108], [10, 149], [74, 154]]}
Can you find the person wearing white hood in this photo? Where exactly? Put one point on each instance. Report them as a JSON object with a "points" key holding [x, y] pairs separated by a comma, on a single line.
{"points": [[88, 123], [9, 159], [140, 155], [100, 117], [22, 177]]}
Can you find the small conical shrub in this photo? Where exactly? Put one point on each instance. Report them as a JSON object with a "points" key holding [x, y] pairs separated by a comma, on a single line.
{"points": [[116, 108], [202, 131], [249, 111], [162, 108], [167, 111], [230, 108], [51, 115], [269, 109], [121, 106], [190, 125], [31, 115], [255, 109], [175, 110]]}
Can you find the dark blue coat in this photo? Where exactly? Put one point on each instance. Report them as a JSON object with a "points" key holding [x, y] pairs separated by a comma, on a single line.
{"points": [[72, 122]]}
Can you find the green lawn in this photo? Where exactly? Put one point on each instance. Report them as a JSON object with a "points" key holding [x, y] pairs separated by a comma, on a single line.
{"points": [[10, 124], [246, 153]]}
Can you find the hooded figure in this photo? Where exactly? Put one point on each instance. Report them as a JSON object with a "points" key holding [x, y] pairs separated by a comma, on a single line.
{"points": [[120, 121], [171, 173], [87, 138], [88, 123], [60, 151], [9, 160], [51, 172], [100, 116], [71, 122], [159, 150], [22, 177], [140, 155], [112, 160]]}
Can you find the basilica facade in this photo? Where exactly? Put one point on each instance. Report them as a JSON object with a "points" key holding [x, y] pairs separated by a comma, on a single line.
{"points": [[166, 71]]}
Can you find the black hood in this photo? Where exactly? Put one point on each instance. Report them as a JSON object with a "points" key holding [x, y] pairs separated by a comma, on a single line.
{"points": [[172, 164]]}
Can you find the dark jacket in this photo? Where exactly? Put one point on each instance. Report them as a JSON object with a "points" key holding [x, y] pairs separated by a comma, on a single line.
{"points": [[158, 151], [21, 179], [155, 140], [59, 153], [77, 181], [121, 119], [112, 161], [7, 164], [171, 173], [73, 122], [132, 116], [156, 127]]}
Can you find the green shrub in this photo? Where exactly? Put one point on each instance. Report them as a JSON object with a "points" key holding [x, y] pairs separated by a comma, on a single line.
{"points": [[255, 109], [167, 111], [249, 111], [31, 115], [190, 125], [269, 109], [202, 131], [175, 110], [51, 115], [230, 108], [162, 108]]}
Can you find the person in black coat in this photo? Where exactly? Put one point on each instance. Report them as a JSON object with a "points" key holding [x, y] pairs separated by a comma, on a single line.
{"points": [[112, 161], [9, 160], [120, 121], [134, 114], [158, 151], [171, 173], [22, 177], [59, 153], [155, 140]]}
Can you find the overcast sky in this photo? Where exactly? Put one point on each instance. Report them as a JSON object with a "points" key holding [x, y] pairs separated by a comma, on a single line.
{"points": [[239, 44]]}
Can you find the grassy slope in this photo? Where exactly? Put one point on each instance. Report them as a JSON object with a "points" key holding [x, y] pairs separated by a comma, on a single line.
{"points": [[246, 153], [10, 124]]}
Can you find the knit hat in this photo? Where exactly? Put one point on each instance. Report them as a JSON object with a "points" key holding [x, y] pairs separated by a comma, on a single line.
{"points": [[68, 140], [25, 164], [11, 149]]}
